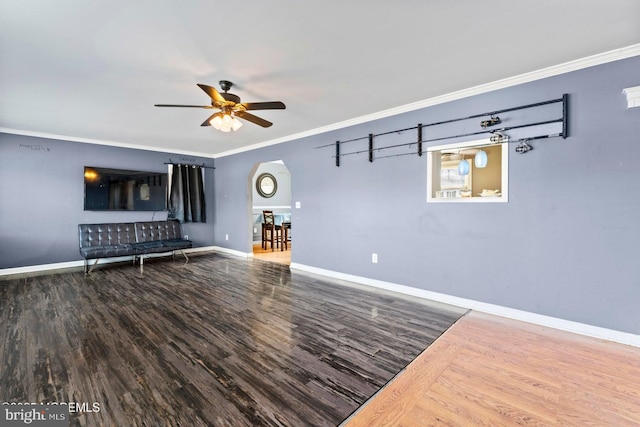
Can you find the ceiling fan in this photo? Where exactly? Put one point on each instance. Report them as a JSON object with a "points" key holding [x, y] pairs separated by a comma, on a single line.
{"points": [[230, 108]]}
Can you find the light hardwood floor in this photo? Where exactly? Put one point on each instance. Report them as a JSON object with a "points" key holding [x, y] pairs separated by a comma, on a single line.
{"points": [[281, 257], [491, 371]]}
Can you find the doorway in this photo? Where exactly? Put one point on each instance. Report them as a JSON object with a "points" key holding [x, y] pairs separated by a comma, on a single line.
{"points": [[270, 190]]}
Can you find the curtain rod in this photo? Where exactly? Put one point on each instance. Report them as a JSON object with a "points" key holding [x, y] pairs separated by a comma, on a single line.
{"points": [[187, 164]]}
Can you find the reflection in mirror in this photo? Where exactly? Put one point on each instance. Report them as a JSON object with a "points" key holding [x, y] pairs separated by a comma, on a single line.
{"points": [[485, 164]]}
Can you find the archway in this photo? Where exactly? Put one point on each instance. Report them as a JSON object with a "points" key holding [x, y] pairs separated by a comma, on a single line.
{"points": [[275, 195]]}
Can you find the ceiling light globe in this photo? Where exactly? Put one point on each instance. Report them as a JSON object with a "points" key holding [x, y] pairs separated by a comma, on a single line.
{"points": [[216, 122], [236, 124]]}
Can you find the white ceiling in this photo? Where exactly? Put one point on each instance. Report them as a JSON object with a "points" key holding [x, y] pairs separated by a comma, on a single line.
{"points": [[93, 70]]}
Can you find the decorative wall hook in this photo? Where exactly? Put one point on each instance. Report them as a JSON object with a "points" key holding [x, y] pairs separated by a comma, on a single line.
{"points": [[523, 147], [498, 138], [494, 120]]}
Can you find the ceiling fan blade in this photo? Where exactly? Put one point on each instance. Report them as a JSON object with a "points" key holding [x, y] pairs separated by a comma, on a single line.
{"points": [[213, 94], [253, 119], [206, 122], [187, 106], [275, 105]]}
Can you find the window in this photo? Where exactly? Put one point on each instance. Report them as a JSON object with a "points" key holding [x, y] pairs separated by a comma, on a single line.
{"points": [[448, 181]]}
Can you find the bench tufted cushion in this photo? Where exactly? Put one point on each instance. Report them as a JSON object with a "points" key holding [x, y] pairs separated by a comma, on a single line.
{"points": [[107, 251], [159, 236], [152, 231], [106, 240]]}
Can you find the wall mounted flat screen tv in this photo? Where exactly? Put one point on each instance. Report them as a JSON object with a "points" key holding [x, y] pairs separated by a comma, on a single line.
{"points": [[124, 190]]}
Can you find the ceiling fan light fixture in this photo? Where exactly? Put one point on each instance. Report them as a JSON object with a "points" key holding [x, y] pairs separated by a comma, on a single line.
{"points": [[225, 122], [216, 121], [228, 103], [236, 124]]}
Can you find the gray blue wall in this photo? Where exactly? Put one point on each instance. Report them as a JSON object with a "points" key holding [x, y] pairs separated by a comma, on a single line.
{"points": [[42, 196], [565, 245], [283, 178]]}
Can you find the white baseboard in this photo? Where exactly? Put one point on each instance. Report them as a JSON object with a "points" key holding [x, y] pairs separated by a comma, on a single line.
{"points": [[80, 263], [47, 267], [233, 252], [525, 316], [201, 249]]}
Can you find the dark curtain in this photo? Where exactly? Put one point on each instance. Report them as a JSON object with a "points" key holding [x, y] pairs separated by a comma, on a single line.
{"points": [[186, 197]]}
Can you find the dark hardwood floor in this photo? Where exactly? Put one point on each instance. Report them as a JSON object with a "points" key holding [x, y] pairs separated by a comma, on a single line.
{"points": [[219, 341]]}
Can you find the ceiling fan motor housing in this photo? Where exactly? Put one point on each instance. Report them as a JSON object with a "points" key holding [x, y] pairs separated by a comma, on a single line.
{"points": [[229, 97], [225, 85]]}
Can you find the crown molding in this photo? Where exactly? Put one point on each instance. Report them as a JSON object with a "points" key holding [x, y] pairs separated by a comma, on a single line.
{"points": [[102, 142], [555, 70]]}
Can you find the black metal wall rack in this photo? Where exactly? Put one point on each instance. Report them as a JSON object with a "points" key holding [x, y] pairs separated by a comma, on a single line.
{"points": [[487, 128]]}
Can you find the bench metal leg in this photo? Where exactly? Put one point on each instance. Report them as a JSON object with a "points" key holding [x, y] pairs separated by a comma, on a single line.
{"points": [[88, 270], [92, 267], [173, 254]]}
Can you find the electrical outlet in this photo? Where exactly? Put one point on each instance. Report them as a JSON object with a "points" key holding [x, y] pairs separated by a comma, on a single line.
{"points": [[297, 205], [374, 258], [226, 237], [186, 236], [255, 230]]}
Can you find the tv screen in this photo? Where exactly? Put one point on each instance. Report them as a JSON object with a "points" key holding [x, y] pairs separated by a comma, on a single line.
{"points": [[124, 190]]}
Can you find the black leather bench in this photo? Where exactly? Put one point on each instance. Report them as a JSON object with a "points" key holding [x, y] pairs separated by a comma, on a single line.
{"points": [[135, 239]]}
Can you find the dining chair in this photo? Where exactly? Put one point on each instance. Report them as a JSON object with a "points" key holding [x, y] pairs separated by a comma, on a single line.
{"points": [[286, 238], [271, 232]]}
